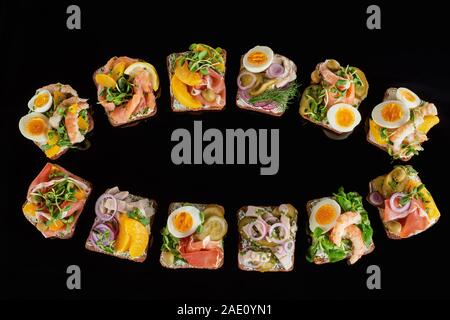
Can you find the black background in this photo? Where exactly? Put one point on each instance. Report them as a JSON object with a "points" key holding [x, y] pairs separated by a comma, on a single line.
{"points": [[38, 49]]}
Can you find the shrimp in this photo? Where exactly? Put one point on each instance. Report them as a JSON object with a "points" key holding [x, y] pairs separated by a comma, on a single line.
{"points": [[408, 130], [343, 221], [354, 234]]}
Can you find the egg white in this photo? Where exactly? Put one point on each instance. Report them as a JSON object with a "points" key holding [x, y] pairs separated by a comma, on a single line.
{"points": [[400, 95], [378, 117], [331, 116], [312, 218], [45, 107], [41, 138], [260, 68], [196, 221]]}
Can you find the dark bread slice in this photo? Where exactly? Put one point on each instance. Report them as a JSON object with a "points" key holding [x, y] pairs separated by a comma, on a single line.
{"points": [[142, 258], [135, 120], [240, 248], [319, 260], [65, 234], [173, 206], [171, 71]]}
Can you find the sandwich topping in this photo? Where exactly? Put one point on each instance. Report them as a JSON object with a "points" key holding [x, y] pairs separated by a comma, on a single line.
{"points": [[57, 120], [339, 227], [267, 238], [198, 78], [126, 89], [54, 201], [122, 225], [406, 206], [266, 81], [400, 123], [334, 96], [193, 237]]}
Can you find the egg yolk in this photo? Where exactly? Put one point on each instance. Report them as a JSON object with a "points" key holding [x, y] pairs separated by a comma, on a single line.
{"points": [[345, 117], [36, 126], [325, 215], [392, 112], [408, 96], [257, 58], [41, 100], [183, 221]]}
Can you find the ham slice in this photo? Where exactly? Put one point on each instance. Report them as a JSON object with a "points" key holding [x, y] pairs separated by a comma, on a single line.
{"points": [[201, 254]]}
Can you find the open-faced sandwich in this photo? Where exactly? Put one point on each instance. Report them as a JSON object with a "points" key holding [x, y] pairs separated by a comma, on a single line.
{"points": [[406, 206], [333, 98], [55, 200], [122, 227], [267, 238], [193, 236], [58, 120], [266, 81], [399, 125], [339, 227], [197, 79], [127, 89]]}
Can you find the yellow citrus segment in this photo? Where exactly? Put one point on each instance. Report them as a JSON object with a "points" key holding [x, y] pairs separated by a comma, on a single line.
{"points": [[375, 131], [123, 238], [56, 225], [139, 237], [118, 70], [180, 92], [428, 123], [105, 80], [186, 76], [29, 209], [52, 151], [133, 68]]}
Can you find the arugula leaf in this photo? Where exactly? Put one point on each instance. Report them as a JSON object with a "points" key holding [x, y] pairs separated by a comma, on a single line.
{"points": [[170, 244]]}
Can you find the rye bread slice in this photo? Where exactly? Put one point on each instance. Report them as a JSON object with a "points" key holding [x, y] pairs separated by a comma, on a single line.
{"points": [[125, 255], [66, 234], [171, 71], [322, 260], [241, 248], [136, 119], [173, 206]]}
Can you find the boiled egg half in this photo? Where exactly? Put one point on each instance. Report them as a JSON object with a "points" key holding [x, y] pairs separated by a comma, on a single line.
{"points": [[343, 117], [41, 102], [409, 98], [324, 214], [183, 221], [34, 126], [391, 114], [258, 59]]}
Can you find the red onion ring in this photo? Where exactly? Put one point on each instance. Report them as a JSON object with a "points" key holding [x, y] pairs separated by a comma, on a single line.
{"points": [[99, 205], [263, 230], [394, 206], [252, 83], [275, 70], [376, 199], [272, 229]]}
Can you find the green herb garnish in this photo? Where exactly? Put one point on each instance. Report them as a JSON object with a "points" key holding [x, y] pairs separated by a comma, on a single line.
{"points": [[281, 96]]}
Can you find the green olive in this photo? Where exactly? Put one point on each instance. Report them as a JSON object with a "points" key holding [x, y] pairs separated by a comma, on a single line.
{"points": [[393, 227], [209, 95], [246, 80], [315, 77], [333, 65]]}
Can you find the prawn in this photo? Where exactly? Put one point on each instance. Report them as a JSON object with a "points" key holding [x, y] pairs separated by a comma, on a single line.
{"points": [[354, 234], [343, 221]]}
